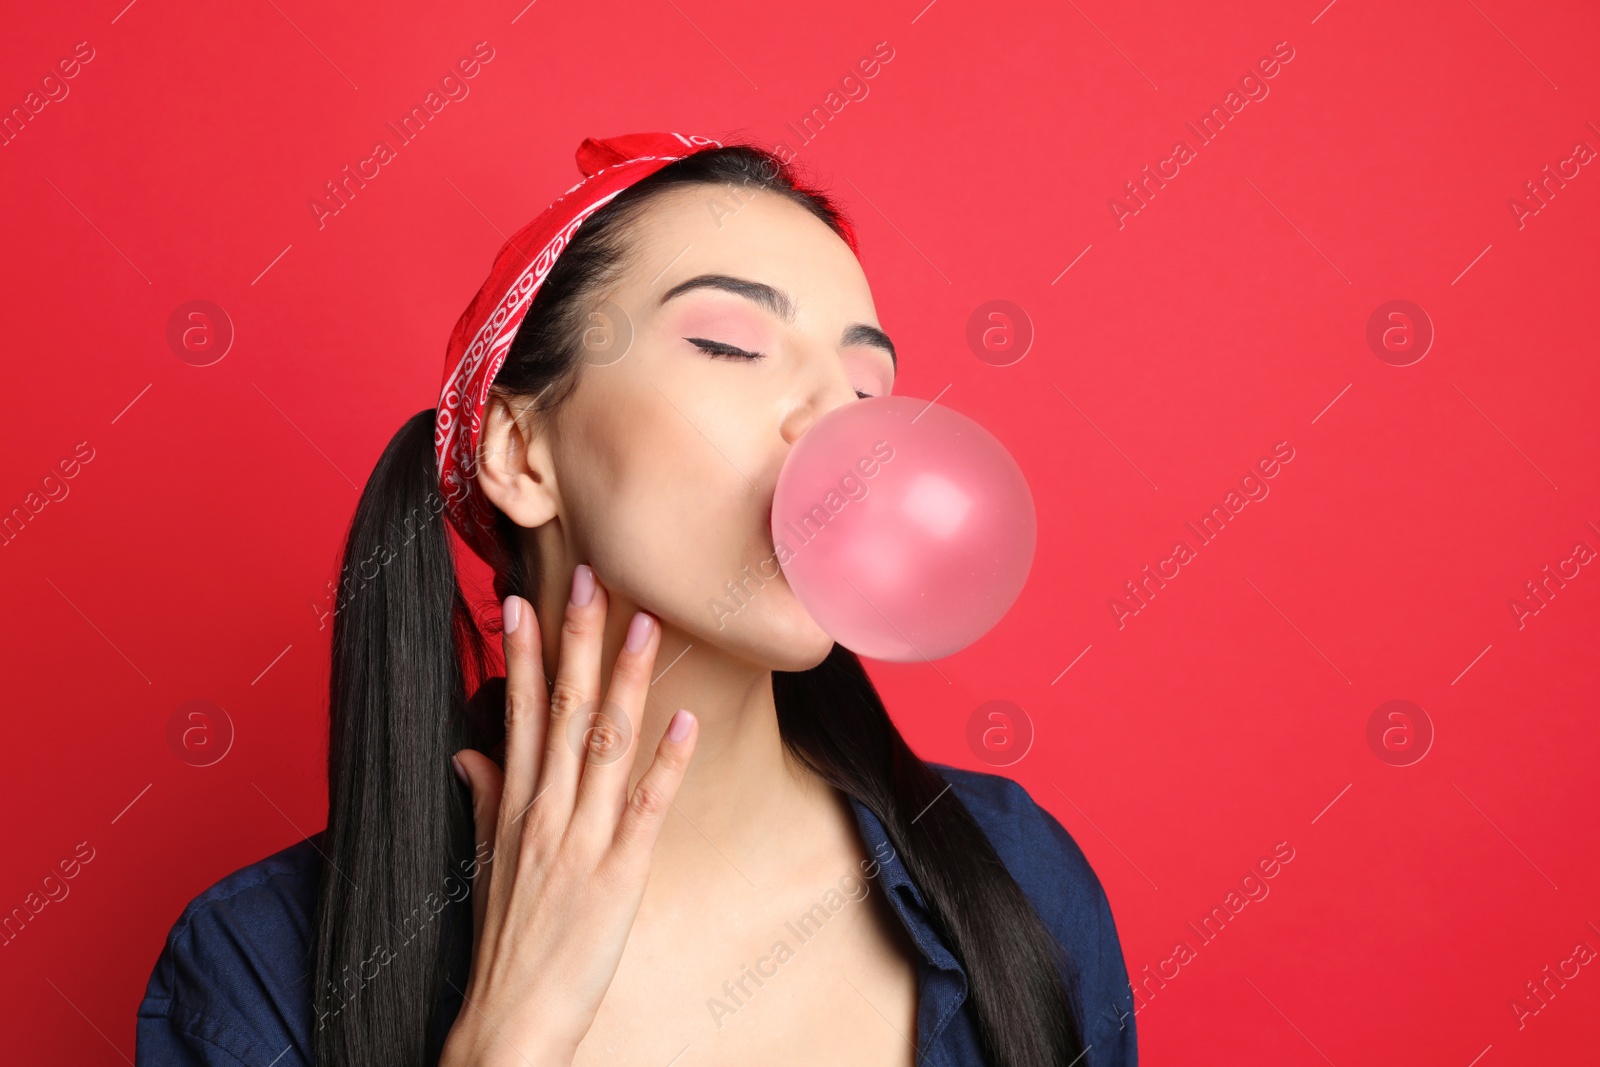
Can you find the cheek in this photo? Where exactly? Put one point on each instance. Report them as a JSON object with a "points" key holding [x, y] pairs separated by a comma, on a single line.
{"points": [[658, 487], [667, 485], [626, 457]]}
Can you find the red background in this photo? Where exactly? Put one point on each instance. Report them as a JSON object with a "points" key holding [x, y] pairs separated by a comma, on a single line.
{"points": [[190, 559]]}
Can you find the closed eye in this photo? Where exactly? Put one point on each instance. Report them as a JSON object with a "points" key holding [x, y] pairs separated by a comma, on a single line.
{"points": [[721, 350]]}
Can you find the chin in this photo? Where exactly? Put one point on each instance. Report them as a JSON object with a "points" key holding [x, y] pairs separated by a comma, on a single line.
{"points": [[804, 657], [778, 640]]}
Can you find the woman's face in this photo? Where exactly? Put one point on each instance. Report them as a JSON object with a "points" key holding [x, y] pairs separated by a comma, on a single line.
{"points": [[663, 461]]}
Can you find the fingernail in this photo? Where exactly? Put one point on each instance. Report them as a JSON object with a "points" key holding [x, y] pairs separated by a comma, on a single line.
{"points": [[511, 614], [461, 772], [582, 586], [678, 728], [638, 631]]}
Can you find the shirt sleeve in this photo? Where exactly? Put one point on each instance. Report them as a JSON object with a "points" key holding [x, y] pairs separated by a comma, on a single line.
{"points": [[228, 988], [160, 1043], [1057, 879], [170, 1033], [1104, 994]]}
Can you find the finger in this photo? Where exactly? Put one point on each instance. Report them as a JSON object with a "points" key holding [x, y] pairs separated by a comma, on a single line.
{"points": [[652, 798], [573, 697], [603, 787], [486, 781], [526, 714]]}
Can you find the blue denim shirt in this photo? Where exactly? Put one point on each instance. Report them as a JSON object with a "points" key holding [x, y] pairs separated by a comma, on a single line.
{"points": [[232, 985]]}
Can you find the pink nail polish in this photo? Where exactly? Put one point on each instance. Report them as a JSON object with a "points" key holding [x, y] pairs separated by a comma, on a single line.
{"points": [[638, 631], [678, 728], [582, 585], [511, 614], [461, 772]]}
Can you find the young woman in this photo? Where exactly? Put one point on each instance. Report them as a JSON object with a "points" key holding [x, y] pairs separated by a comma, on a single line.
{"points": [[682, 829]]}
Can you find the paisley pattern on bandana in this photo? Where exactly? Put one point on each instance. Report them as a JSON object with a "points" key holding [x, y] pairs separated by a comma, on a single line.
{"points": [[485, 330]]}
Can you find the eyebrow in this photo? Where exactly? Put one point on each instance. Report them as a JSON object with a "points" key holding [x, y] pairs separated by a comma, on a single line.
{"points": [[782, 306]]}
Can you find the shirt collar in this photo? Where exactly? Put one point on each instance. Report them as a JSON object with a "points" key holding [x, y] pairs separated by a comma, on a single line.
{"points": [[944, 981]]}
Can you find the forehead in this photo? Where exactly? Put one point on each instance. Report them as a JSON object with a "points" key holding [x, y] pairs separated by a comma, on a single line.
{"points": [[751, 234]]}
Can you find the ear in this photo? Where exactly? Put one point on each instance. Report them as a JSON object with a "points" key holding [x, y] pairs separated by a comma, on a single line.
{"points": [[515, 469]]}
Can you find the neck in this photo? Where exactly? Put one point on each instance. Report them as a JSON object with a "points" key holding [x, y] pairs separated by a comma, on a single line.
{"points": [[741, 773], [741, 783]]}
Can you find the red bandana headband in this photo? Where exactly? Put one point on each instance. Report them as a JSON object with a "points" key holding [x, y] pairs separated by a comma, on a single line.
{"points": [[485, 330]]}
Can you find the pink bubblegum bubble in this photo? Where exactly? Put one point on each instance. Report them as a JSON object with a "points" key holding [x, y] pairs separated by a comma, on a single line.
{"points": [[904, 528]]}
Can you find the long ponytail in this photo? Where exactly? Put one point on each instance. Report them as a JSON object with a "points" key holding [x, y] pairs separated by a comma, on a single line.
{"points": [[391, 897]]}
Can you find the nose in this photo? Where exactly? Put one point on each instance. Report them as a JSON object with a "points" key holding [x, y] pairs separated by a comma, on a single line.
{"points": [[822, 386]]}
